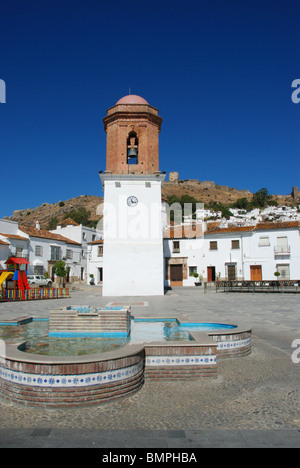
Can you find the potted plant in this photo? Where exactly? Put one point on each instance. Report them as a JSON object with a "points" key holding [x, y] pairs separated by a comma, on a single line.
{"points": [[197, 283], [277, 274], [92, 280]]}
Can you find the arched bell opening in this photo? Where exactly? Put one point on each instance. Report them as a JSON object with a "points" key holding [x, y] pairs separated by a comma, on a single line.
{"points": [[132, 148]]}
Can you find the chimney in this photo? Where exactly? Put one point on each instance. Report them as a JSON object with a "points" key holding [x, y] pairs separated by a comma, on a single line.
{"points": [[37, 225]]}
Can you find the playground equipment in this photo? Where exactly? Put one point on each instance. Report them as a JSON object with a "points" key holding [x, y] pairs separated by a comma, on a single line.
{"points": [[18, 288], [4, 276], [21, 278]]}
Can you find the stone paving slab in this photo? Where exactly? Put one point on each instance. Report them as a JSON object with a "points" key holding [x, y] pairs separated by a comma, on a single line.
{"points": [[147, 439]]}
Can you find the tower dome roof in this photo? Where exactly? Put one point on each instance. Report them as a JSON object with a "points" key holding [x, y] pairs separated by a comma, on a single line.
{"points": [[132, 99]]}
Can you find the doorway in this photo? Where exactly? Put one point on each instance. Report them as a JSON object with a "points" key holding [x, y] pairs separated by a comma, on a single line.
{"points": [[231, 272], [255, 273], [211, 274], [176, 275], [100, 275]]}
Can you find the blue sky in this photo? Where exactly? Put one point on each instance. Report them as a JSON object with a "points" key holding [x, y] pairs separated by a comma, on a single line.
{"points": [[219, 71]]}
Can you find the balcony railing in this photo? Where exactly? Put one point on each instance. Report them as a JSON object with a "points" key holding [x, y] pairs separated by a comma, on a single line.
{"points": [[282, 250]]}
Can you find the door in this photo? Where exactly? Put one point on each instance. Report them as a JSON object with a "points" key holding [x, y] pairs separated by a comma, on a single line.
{"points": [[176, 272], [100, 274], [211, 273], [231, 272], [255, 273]]}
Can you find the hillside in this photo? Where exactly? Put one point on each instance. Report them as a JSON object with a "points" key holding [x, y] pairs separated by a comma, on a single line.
{"points": [[208, 191], [204, 192], [59, 210]]}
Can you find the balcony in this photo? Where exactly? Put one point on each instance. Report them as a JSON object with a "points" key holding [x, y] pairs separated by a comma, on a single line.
{"points": [[282, 250]]}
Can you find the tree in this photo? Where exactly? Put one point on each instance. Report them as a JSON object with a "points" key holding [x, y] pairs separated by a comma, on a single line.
{"points": [[60, 269], [184, 199], [80, 216], [52, 224], [261, 198], [215, 206], [241, 203]]}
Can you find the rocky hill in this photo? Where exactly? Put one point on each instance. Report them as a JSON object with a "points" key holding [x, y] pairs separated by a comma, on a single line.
{"points": [[205, 192], [58, 211], [208, 191]]}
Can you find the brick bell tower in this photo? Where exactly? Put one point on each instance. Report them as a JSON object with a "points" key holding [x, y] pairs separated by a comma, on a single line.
{"points": [[133, 241], [132, 127]]}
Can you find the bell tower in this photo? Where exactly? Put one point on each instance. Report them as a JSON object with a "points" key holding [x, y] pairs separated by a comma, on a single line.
{"points": [[133, 238], [132, 127]]}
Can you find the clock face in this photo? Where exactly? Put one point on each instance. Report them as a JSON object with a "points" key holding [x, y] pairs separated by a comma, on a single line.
{"points": [[132, 201]]}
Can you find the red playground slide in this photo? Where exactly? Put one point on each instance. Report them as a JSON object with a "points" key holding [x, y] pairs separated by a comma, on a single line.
{"points": [[25, 282]]}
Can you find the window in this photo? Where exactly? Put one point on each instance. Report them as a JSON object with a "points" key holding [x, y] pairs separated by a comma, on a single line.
{"points": [[176, 247], [100, 250], [19, 251], [213, 245], [284, 271], [38, 250], [55, 253], [235, 244], [83, 236], [38, 270], [69, 254], [264, 241], [93, 237], [192, 270], [282, 245]]}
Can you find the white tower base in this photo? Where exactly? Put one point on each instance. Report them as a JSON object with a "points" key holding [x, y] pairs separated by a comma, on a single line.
{"points": [[133, 260]]}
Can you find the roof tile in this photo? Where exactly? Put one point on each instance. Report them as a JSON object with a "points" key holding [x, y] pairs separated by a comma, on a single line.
{"points": [[44, 234]]}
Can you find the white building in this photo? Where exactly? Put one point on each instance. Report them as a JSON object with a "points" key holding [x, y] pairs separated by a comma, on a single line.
{"points": [[82, 235], [95, 262], [13, 242], [40, 247], [241, 253]]}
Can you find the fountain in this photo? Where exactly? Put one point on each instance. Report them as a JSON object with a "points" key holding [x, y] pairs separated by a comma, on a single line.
{"points": [[89, 321], [183, 351]]}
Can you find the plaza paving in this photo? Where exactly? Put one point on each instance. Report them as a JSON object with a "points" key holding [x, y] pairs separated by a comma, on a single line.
{"points": [[254, 402]]}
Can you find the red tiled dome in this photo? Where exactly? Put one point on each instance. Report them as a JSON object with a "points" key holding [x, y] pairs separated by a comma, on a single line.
{"points": [[132, 99]]}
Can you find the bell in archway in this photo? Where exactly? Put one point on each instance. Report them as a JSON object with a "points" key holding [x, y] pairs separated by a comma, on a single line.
{"points": [[132, 153]]}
